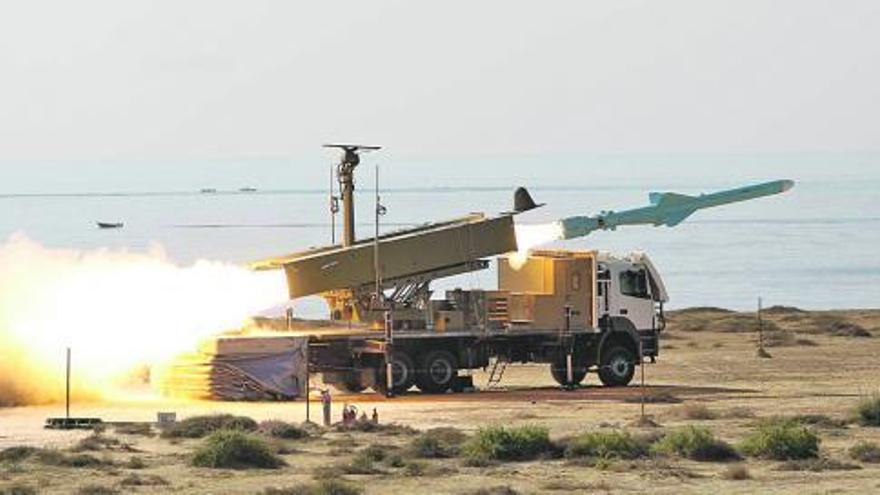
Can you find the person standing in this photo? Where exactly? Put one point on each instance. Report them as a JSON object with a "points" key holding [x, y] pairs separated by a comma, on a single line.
{"points": [[326, 402]]}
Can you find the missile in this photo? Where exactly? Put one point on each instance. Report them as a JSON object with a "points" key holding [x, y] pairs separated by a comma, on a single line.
{"points": [[668, 209]]}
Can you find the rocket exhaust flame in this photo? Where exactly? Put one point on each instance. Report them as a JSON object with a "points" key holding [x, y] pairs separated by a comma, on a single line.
{"points": [[529, 236], [117, 309]]}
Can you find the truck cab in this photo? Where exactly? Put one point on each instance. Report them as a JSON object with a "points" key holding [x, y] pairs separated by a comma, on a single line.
{"points": [[631, 294]]}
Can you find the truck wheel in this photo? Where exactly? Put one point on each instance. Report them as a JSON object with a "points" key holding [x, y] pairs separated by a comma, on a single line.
{"points": [[402, 371], [437, 373], [617, 367], [559, 370]]}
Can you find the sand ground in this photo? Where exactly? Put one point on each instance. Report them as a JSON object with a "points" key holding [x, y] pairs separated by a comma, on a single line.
{"points": [[702, 362]]}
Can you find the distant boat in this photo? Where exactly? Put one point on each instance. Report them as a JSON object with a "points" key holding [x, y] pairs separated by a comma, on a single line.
{"points": [[110, 225], [248, 189], [208, 190]]}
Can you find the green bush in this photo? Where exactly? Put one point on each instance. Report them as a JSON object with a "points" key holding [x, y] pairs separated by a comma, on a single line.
{"points": [[781, 441], [509, 444], [607, 444], [866, 452], [325, 487], [695, 443], [868, 411], [202, 426], [439, 443], [235, 449], [282, 430]]}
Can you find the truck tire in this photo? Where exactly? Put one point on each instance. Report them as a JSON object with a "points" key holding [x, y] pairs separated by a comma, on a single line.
{"points": [[559, 370], [437, 372], [617, 367], [403, 371]]}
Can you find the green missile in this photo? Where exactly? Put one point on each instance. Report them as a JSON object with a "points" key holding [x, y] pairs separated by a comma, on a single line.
{"points": [[668, 209]]}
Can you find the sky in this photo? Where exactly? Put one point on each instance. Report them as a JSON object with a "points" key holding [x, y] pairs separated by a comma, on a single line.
{"points": [[104, 80]]}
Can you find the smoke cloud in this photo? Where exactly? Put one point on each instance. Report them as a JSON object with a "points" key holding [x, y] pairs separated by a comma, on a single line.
{"points": [[118, 310]]}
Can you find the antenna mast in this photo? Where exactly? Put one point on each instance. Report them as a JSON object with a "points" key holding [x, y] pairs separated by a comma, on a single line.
{"points": [[334, 207], [345, 173]]}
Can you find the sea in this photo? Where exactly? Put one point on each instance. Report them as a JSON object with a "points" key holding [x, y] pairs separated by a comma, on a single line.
{"points": [[815, 247]]}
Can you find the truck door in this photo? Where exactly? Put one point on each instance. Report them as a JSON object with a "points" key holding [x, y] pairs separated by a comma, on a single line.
{"points": [[632, 299]]}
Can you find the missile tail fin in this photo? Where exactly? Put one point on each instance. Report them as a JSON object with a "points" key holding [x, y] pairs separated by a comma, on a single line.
{"points": [[676, 217]]}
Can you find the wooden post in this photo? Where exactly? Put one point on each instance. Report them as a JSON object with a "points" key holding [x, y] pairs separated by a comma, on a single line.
{"points": [[308, 387], [569, 370], [67, 391], [762, 352], [642, 370]]}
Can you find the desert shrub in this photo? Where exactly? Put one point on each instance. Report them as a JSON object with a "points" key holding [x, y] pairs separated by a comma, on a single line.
{"points": [[817, 420], [18, 489], [376, 453], [805, 342], [97, 442], [391, 429], [139, 429], [817, 465], [136, 463], [415, 469], [501, 443], [235, 449], [93, 489], [202, 426], [325, 487], [866, 452], [607, 444], [146, 480], [781, 441], [283, 430], [438, 443], [737, 472], [838, 326], [695, 443], [868, 411], [360, 464], [60, 459], [696, 412], [739, 412], [17, 453]]}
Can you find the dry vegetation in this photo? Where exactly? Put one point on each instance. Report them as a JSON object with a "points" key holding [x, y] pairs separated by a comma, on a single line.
{"points": [[731, 423]]}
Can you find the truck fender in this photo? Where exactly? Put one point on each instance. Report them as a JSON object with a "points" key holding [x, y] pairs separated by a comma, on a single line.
{"points": [[619, 331]]}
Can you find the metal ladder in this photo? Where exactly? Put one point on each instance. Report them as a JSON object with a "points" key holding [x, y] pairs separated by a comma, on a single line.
{"points": [[497, 373]]}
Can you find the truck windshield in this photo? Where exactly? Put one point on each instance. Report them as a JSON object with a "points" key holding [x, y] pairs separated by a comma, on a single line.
{"points": [[634, 283]]}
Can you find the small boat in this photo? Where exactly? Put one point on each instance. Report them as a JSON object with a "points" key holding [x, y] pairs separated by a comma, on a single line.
{"points": [[208, 190], [110, 225], [248, 189]]}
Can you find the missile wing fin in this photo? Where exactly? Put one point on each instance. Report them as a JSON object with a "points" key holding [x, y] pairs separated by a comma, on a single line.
{"points": [[669, 199]]}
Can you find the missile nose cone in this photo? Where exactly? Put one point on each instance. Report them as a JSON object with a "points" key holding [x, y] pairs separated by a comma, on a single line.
{"points": [[787, 184]]}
